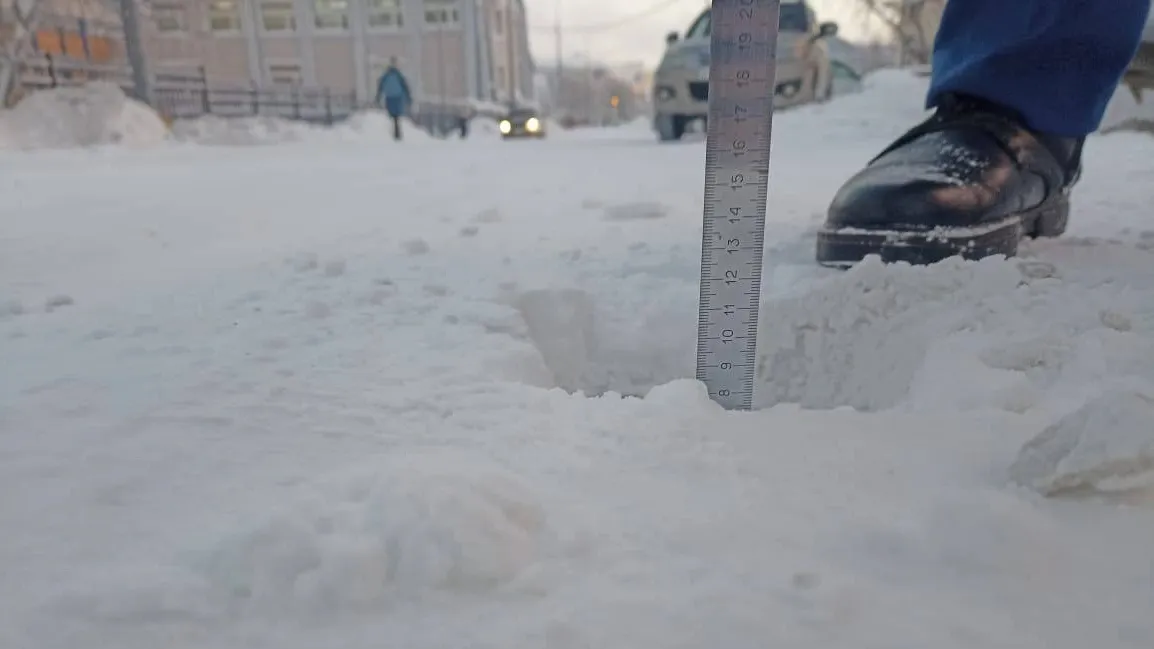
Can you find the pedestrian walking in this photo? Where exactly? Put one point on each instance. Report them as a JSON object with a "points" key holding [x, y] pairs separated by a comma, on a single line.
{"points": [[393, 93]]}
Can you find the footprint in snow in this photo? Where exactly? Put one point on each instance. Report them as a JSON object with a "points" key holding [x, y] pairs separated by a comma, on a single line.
{"points": [[303, 262], [491, 215], [57, 301], [635, 212], [335, 268], [416, 247]]}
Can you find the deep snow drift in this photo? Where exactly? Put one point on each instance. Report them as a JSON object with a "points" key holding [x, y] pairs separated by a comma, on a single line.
{"points": [[330, 394], [91, 115]]}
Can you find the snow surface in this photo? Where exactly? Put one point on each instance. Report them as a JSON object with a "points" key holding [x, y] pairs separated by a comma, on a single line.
{"points": [[92, 115], [212, 130], [338, 394]]}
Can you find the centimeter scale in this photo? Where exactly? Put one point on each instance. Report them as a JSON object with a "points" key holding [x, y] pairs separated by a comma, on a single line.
{"points": [[742, 74]]}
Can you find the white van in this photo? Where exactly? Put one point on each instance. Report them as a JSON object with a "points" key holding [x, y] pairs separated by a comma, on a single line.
{"points": [[681, 84]]}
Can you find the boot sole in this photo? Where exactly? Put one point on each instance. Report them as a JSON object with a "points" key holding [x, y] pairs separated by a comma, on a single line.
{"points": [[844, 247]]}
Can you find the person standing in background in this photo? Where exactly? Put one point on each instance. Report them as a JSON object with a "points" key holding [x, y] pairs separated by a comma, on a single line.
{"points": [[393, 93]]}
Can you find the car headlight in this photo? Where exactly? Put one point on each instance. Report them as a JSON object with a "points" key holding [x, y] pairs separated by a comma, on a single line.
{"points": [[505, 127], [788, 89], [533, 124]]}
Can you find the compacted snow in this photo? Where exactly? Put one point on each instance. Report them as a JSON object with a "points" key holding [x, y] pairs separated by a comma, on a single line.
{"points": [[345, 393]]}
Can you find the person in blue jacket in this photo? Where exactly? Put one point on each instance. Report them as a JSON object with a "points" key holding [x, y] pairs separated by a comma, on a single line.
{"points": [[393, 93], [1016, 86]]}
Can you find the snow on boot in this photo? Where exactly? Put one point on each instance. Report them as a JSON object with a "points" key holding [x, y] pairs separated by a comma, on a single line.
{"points": [[971, 180]]}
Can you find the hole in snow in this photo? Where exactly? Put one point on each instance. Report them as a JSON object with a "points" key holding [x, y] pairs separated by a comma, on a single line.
{"points": [[592, 348]]}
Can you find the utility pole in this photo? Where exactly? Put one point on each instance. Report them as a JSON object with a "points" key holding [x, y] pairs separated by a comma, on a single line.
{"points": [[510, 45], [558, 90], [441, 110], [134, 49]]}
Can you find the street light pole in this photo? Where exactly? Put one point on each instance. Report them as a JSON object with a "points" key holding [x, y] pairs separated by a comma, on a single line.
{"points": [[442, 110], [510, 44]]}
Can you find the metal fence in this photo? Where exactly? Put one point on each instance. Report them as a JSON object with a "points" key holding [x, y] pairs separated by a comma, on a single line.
{"points": [[318, 106], [188, 94]]}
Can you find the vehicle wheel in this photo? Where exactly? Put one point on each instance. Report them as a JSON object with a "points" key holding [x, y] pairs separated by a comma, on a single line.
{"points": [[823, 93], [670, 128]]}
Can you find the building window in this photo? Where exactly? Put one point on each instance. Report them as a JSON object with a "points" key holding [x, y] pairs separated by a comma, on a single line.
{"points": [[331, 14], [223, 16], [441, 12], [169, 18], [285, 74], [385, 14], [277, 16]]}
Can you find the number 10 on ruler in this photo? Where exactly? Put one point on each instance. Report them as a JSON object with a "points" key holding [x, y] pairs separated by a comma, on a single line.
{"points": [[743, 44]]}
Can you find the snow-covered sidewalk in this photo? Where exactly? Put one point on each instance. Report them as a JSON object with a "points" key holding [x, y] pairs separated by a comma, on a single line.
{"points": [[328, 394]]}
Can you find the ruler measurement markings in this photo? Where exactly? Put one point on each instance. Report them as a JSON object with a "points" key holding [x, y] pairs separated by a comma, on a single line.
{"points": [[741, 89]]}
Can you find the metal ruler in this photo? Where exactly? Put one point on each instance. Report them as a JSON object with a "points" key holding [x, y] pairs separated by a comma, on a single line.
{"points": [[742, 72]]}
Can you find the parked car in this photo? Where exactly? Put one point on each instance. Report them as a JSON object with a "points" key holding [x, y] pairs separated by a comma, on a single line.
{"points": [[681, 84], [522, 122]]}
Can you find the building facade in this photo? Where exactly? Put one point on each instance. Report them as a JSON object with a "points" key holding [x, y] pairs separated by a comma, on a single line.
{"points": [[450, 50], [81, 30], [63, 41]]}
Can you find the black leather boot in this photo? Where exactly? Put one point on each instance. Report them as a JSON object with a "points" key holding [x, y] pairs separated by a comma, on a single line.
{"points": [[971, 180]]}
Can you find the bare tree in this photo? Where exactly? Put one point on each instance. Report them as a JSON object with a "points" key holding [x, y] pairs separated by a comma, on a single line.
{"points": [[15, 41], [905, 20]]}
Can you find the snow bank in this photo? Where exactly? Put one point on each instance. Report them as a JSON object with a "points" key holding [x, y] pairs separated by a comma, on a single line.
{"points": [[95, 114], [261, 130], [372, 125], [484, 128], [214, 130], [862, 338]]}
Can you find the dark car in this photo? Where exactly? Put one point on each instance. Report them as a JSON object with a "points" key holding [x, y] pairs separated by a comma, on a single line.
{"points": [[522, 122]]}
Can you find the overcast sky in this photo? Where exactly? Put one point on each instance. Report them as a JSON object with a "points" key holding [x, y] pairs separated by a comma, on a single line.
{"points": [[639, 40]]}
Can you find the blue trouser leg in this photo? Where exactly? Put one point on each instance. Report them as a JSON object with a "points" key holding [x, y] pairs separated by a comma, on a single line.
{"points": [[1057, 62]]}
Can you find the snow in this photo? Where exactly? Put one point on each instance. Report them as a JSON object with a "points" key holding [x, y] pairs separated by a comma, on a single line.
{"points": [[335, 393], [1104, 444], [91, 115], [211, 130]]}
